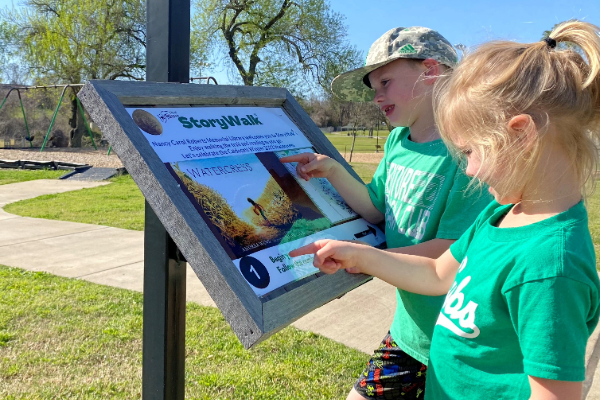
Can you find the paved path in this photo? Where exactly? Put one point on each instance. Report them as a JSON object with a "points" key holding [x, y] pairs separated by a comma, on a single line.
{"points": [[114, 257]]}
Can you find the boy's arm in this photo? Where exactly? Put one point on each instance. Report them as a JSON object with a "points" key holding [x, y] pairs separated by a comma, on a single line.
{"points": [[422, 275], [548, 389], [355, 193]]}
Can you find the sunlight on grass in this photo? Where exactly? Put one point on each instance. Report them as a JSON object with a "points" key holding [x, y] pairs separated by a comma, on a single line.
{"points": [[120, 205], [70, 339], [22, 175]]}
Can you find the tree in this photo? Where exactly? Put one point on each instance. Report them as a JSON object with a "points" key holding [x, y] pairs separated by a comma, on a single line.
{"points": [[289, 43], [71, 41], [7, 33]]}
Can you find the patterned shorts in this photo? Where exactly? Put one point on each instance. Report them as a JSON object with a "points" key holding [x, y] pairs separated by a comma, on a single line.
{"points": [[392, 374]]}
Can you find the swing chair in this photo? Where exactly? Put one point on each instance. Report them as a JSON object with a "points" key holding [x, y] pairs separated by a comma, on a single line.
{"points": [[28, 137], [79, 107]]}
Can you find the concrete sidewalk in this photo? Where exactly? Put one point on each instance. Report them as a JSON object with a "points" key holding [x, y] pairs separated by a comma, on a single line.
{"points": [[114, 257]]}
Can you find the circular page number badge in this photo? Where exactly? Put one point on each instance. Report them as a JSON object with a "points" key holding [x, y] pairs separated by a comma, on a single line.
{"points": [[255, 272]]}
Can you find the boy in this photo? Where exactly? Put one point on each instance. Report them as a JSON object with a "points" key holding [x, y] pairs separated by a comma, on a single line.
{"points": [[418, 189]]}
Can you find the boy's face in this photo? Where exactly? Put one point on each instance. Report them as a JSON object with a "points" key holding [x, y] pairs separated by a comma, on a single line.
{"points": [[400, 90]]}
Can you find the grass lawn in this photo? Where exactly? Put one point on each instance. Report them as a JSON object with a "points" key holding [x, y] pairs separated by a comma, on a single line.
{"points": [[120, 205], [364, 170], [71, 339], [21, 175], [364, 144]]}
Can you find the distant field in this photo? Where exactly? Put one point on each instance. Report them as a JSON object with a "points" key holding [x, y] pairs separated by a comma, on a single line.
{"points": [[363, 144]]}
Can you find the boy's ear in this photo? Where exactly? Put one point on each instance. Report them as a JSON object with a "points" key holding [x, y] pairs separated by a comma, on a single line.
{"points": [[432, 71], [523, 129]]}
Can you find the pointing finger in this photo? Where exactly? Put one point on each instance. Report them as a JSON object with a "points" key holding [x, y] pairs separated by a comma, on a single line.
{"points": [[303, 158], [311, 248]]}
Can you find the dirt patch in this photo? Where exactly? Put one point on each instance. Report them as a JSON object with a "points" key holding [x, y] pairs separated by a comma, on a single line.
{"points": [[371, 158], [96, 158]]}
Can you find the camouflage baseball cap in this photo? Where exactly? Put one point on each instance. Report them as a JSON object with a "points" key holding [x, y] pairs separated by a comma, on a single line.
{"points": [[415, 42]]}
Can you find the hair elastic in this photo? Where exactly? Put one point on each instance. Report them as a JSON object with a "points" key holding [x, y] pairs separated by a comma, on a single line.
{"points": [[550, 42]]}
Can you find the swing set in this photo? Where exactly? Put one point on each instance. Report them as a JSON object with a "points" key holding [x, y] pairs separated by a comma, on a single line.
{"points": [[29, 138]]}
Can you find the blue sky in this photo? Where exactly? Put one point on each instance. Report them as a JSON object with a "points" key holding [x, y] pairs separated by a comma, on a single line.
{"points": [[467, 22]]}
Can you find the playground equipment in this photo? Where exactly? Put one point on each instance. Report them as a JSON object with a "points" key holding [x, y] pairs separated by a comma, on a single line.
{"points": [[30, 138]]}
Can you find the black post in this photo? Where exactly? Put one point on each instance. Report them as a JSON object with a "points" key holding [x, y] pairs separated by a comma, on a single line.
{"points": [[163, 365]]}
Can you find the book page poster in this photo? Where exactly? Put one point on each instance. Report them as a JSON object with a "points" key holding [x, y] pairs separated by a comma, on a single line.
{"points": [[226, 161]]}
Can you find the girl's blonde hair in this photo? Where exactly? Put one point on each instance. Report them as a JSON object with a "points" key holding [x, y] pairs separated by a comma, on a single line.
{"points": [[500, 80]]}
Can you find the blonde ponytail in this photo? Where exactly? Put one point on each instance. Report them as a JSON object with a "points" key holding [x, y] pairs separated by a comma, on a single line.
{"points": [[502, 79]]}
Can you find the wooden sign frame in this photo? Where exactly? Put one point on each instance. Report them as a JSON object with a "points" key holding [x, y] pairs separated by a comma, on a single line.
{"points": [[252, 318]]}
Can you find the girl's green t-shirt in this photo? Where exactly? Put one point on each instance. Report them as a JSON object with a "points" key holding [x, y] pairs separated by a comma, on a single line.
{"points": [[524, 302], [422, 192]]}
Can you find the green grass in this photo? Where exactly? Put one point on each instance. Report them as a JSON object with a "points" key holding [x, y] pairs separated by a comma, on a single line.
{"points": [[71, 339], [119, 204], [381, 132], [364, 170], [22, 175], [363, 144]]}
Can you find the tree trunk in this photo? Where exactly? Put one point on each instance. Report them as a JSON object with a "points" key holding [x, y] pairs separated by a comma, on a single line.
{"points": [[389, 125], [77, 125]]}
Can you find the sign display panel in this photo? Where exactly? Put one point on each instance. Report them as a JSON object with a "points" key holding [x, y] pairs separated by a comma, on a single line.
{"points": [[207, 159], [226, 160]]}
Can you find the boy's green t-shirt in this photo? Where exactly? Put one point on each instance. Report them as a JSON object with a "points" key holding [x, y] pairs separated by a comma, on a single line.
{"points": [[524, 302], [421, 190]]}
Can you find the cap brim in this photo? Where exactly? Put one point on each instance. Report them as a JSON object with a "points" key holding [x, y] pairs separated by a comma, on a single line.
{"points": [[350, 86]]}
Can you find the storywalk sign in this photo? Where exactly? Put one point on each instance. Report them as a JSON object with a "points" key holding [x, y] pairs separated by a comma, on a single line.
{"points": [[207, 159]]}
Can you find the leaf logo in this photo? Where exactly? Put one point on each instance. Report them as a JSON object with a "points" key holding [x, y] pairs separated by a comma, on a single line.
{"points": [[407, 49]]}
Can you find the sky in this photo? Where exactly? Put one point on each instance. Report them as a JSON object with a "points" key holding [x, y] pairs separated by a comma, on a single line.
{"points": [[467, 22]]}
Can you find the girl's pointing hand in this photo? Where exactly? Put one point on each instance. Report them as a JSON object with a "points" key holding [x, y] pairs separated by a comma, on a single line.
{"points": [[332, 255]]}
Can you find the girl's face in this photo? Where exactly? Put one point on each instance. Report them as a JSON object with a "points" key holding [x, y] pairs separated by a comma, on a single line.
{"points": [[479, 169]]}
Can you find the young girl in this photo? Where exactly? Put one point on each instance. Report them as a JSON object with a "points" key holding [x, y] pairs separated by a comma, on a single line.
{"points": [[523, 290]]}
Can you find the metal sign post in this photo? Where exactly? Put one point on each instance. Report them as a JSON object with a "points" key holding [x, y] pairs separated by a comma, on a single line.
{"points": [[163, 369]]}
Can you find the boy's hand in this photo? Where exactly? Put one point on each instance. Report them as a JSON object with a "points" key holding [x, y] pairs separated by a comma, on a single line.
{"points": [[311, 165], [331, 255]]}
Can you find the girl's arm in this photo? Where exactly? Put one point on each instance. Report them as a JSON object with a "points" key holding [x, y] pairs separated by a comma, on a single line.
{"points": [[433, 248], [548, 389], [432, 277]]}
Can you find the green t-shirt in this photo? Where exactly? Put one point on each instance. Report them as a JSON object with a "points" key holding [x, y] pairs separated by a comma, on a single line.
{"points": [[524, 302], [421, 190]]}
